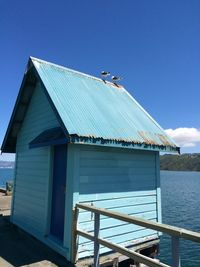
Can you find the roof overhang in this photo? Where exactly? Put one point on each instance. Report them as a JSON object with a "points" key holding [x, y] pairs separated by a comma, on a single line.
{"points": [[30, 79], [122, 144], [21, 105], [53, 136], [151, 138]]}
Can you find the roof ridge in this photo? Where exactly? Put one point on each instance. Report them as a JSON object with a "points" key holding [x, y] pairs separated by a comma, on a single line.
{"points": [[75, 71]]}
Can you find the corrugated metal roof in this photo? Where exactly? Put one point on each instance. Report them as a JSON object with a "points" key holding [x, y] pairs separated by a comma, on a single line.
{"points": [[92, 109]]}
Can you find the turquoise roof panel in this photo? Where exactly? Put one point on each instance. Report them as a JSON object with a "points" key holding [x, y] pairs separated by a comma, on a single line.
{"points": [[92, 108]]}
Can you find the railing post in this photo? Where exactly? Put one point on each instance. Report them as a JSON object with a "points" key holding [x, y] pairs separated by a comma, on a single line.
{"points": [[96, 235], [176, 262], [74, 235]]}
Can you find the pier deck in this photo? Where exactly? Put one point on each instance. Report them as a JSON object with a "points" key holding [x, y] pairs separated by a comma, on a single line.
{"points": [[18, 248]]}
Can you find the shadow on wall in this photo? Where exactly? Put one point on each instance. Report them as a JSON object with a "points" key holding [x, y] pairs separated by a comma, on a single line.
{"points": [[111, 184]]}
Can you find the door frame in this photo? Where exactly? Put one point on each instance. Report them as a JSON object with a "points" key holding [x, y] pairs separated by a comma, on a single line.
{"points": [[49, 198]]}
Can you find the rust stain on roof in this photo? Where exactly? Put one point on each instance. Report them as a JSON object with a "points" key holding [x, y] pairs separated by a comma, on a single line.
{"points": [[164, 140], [147, 143], [146, 138]]}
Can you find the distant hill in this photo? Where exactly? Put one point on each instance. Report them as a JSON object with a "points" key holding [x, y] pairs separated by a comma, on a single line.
{"points": [[7, 164], [184, 162]]}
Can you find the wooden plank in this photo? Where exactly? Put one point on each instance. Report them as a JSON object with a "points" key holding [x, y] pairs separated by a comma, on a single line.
{"points": [[32, 211], [176, 261], [168, 229], [32, 174], [31, 186], [131, 254], [118, 178], [74, 236], [112, 187], [34, 157], [29, 227], [110, 152], [120, 162], [114, 159], [30, 193], [14, 185], [124, 179], [131, 181], [123, 238], [158, 189], [96, 236], [32, 179], [107, 260], [72, 165], [87, 245], [39, 203], [131, 210], [115, 171], [24, 220], [129, 239], [29, 163], [107, 222], [123, 202], [87, 250], [115, 230], [114, 195]]}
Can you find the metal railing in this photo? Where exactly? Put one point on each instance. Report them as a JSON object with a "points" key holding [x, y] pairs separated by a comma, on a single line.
{"points": [[175, 232]]}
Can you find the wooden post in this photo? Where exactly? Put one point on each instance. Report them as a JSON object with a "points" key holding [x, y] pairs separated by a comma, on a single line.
{"points": [[175, 252], [74, 235], [96, 236]]}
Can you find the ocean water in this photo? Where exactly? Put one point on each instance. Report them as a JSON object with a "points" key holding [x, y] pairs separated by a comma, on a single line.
{"points": [[5, 175], [180, 207]]}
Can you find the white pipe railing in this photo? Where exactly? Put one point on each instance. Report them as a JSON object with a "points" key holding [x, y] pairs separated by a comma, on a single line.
{"points": [[175, 232]]}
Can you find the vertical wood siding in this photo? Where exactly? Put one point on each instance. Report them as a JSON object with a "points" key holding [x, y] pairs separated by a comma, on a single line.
{"points": [[30, 205], [119, 180]]}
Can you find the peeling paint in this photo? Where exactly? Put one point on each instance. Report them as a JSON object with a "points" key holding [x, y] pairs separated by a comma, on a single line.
{"points": [[122, 143], [146, 138]]}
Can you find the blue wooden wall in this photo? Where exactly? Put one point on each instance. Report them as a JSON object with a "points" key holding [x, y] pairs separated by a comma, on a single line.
{"points": [[32, 189], [121, 180]]}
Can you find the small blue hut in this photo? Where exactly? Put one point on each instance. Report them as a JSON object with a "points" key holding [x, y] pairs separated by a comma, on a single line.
{"points": [[80, 139]]}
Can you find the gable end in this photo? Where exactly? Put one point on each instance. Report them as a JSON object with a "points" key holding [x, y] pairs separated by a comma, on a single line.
{"points": [[29, 82]]}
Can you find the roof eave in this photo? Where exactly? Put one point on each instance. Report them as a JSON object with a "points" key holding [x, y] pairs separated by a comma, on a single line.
{"points": [[75, 139], [9, 141]]}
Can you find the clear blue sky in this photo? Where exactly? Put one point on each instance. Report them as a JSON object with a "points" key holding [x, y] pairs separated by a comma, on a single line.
{"points": [[154, 45]]}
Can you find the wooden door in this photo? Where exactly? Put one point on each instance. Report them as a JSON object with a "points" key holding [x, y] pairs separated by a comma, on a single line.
{"points": [[58, 192]]}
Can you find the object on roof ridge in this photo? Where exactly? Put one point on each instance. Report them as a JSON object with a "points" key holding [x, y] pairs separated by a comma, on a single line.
{"points": [[116, 78], [105, 73], [99, 113]]}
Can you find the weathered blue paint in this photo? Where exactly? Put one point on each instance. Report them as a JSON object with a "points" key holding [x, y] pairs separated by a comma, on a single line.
{"points": [[32, 195], [92, 111], [119, 180], [96, 236], [72, 195], [158, 190], [98, 120], [58, 192]]}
